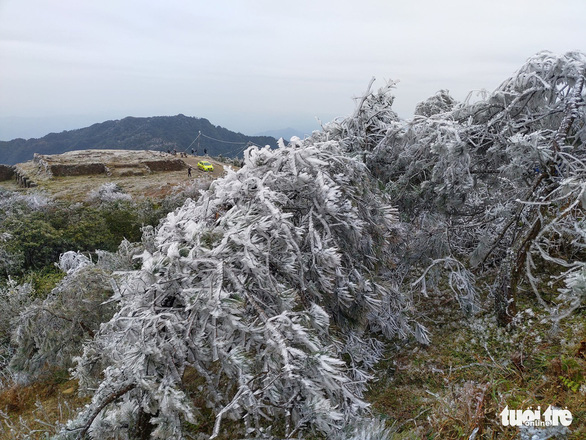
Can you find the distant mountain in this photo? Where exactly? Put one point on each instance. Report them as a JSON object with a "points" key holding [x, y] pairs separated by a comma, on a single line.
{"points": [[154, 133], [285, 133]]}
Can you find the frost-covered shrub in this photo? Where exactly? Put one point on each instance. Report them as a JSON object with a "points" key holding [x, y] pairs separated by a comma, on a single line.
{"points": [[570, 298], [498, 181], [257, 286], [11, 260], [49, 333], [192, 191], [14, 299], [72, 261], [12, 206], [439, 103], [109, 192], [13, 202], [124, 258]]}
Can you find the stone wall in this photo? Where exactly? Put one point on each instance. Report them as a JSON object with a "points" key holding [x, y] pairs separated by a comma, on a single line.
{"points": [[6, 172], [83, 169], [165, 165], [115, 162], [22, 179]]}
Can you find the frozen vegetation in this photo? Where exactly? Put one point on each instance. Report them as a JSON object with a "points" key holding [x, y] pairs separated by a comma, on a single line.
{"points": [[266, 302]]}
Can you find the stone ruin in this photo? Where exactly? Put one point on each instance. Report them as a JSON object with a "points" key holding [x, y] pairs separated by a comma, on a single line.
{"points": [[6, 172], [108, 162], [9, 172]]}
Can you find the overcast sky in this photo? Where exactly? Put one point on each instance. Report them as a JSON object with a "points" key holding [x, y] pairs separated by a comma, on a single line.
{"points": [[255, 65]]}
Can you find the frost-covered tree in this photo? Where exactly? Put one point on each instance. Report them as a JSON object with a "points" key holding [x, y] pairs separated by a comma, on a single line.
{"points": [[261, 287], [441, 102], [70, 261], [12, 205], [109, 192], [11, 261], [48, 333], [13, 299], [14, 202], [497, 179]]}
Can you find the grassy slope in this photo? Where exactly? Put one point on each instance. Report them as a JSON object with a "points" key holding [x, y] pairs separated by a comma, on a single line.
{"points": [[473, 369], [31, 411]]}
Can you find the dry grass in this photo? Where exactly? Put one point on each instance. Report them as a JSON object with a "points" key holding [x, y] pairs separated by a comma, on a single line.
{"points": [[474, 369], [33, 411]]}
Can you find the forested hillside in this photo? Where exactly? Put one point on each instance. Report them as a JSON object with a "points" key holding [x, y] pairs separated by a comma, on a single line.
{"points": [[381, 279], [159, 133]]}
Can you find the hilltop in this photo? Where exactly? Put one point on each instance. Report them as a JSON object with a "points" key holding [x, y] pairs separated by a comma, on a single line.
{"points": [[139, 173], [159, 133]]}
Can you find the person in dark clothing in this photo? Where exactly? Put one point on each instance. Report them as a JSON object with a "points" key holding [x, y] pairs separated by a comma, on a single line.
{"points": [[189, 172]]}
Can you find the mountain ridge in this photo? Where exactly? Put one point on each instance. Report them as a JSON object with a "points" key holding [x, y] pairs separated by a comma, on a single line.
{"points": [[159, 133]]}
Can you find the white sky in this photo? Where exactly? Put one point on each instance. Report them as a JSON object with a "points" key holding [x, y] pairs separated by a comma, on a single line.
{"points": [[255, 65]]}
